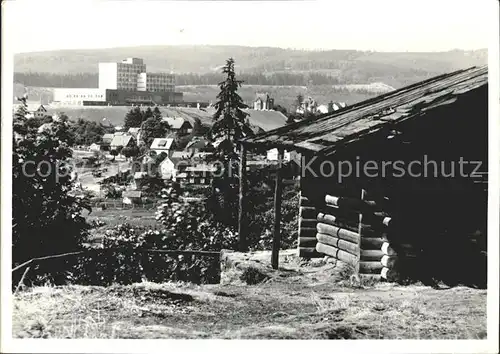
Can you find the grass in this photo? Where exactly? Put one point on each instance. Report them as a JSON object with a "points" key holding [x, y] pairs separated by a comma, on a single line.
{"points": [[295, 302], [137, 218]]}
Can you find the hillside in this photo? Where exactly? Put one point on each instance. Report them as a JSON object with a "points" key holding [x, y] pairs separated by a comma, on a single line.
{"points": [[298, 301], [392, 68], [283, 95]]}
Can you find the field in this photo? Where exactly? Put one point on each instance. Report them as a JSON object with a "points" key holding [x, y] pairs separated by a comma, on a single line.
{"points": [[137, 217], [299, 301]]}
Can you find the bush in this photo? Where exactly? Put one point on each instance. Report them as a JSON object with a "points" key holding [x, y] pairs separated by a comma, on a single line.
{"points": [[261, 219], [112, 192], [124, 260], [189, 226], [252, 276], [46, 216]]}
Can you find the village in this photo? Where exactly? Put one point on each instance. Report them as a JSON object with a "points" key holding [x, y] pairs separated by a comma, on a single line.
{"points": [[182, 153], [189, 163]]}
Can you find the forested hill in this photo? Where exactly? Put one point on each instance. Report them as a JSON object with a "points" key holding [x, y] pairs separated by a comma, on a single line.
{"points": [[196, 65]]}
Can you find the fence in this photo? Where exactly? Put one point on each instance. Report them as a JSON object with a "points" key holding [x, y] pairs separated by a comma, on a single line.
{"points": [[120, 265], [119, 204]]}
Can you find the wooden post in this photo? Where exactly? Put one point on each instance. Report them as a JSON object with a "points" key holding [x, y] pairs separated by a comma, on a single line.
{"points": [[22, 279], [360, 233], [242, 217], [277, 213]]}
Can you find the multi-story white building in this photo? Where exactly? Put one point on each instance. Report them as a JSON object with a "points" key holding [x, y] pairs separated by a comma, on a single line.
{"points": [[156, 82], [131, 75], [126, 82], [121, 76], [76, 96]]}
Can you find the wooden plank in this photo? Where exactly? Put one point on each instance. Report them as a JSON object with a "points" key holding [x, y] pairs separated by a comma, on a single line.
{"points": [[338, 243], [277, 213], [21, 282], [389, 261], [388, 274], [370, 267], [371, 243], [360, 229], [348, 217], [358, 205], [326, 218], [305, 201], [336, 253], [308, 241], [307, 223], [242, 217], [378, 220], [339, 222], [307, 232], [307, 212], [332, 200], [388, 250], [371, 255], [337, 232], [368, 230], [309, 252]]}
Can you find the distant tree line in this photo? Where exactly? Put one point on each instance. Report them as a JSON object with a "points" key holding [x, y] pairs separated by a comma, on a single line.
{"points": [[347, 76], [77, 80]]}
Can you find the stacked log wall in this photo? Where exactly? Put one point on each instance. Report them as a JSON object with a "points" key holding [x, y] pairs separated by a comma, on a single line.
{"points": [[342, 234]]}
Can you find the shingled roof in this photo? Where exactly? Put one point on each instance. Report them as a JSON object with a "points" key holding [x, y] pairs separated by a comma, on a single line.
{"points": [[324, 135]]}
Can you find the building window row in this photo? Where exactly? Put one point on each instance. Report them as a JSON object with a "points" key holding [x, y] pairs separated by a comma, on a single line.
{"points": [[84, 96]]}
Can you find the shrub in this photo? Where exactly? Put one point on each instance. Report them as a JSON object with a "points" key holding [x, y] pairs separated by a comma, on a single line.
{"points": [[46, 217], [252, 276], [189, 226], [124, 260]]}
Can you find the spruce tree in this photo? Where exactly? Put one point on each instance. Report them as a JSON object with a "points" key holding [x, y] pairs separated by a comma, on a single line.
{"points": [[134, 118], [230, 123], [229, 127], [153, 127], [157, 112], [148, 113]]}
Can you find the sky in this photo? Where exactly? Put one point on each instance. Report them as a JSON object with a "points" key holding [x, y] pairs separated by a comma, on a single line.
{"points": [[383, 25]]}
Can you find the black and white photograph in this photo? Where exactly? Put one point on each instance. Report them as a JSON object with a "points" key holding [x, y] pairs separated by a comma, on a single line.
{"points": [[322, 173]]}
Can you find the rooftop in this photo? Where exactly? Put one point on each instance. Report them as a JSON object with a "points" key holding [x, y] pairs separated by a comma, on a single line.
{"points": [[324, 135], [177, 122], [33, 107], [162, 144], [121, 140]]}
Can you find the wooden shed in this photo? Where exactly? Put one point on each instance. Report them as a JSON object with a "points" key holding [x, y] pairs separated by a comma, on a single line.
{"points": [[414, 202]]}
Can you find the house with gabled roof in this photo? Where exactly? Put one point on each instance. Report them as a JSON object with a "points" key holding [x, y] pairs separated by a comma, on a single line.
{"points": [[121, 141], [179, 125], [174, 164], [106, 141], [263, 102], [37, 110]]}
